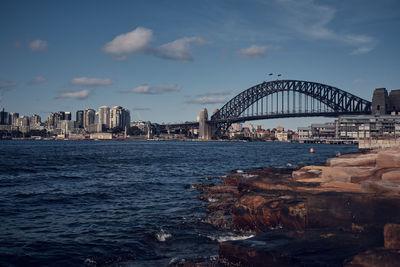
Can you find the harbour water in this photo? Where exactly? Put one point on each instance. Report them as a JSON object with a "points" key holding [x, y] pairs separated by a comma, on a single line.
{"points": [[76, 203]]}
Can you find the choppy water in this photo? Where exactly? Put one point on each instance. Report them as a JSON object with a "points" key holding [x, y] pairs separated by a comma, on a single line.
{"points": [[119, 202]]}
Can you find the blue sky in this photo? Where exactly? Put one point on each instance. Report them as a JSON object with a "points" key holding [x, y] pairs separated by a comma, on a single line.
{"points": [[165, 60]]}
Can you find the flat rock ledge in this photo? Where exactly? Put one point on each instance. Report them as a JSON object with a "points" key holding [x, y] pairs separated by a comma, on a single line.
{"points": [[344, 213]]}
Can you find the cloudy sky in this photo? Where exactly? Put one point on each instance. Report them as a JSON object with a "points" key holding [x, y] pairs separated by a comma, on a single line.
{"points": [[165, 60]]}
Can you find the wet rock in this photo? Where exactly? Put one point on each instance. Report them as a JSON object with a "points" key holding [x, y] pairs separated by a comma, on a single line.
{"points": [[225, 204], [219, 219], [259, 213], [392, 236], [312, 247], [200, 187], [223, 190], [379, 257], [345, 210], [232, 180]]}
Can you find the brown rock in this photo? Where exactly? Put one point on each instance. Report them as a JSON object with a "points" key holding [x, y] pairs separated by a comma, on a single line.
{"points": [[392, 176], [223, 190], [376, 258], [359, 160], [259, 213], [384, 188], [307, 172], [283, 247], [388, 159], [392, 236]]}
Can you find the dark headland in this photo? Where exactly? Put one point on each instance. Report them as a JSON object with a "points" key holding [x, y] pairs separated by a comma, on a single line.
{"points": [[344, 213]]}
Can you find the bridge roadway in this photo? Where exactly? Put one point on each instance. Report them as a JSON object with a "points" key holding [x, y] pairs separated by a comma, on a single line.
{"points": [[279, 99]]}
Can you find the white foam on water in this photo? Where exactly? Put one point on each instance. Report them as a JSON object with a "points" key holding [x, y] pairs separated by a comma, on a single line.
{"points": [[163, 235], [212, 200], [230, 237]]}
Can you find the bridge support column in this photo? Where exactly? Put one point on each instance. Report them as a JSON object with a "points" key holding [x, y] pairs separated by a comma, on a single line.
{"points": [[205, 129]]}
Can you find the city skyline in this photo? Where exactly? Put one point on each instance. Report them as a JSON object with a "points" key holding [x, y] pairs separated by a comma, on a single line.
{"points": [[166, 61]]}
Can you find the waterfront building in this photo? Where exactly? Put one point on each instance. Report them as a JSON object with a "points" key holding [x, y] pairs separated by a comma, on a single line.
{"points": [[369, 126], [35, 121], [23, 124], [304, 133], [89, 117], [79, 118], [103, 118], [68, 116], [119, 118], [13, 118], [4, 118], [67, 127]]}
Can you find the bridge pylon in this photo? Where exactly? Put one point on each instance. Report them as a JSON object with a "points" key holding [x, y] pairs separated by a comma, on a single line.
{"points": [[206, 131]]}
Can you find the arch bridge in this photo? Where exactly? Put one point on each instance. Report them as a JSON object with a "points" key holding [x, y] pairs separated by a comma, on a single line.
{"points": [[285, 99]]}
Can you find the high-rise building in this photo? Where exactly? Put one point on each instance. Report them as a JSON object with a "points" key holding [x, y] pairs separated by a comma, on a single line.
{"points": [[54, 119], [89, 117], [119, 117], [104, 117], [67, 116], [35, 120], [13, 118], [4, 117], [79, 118]]}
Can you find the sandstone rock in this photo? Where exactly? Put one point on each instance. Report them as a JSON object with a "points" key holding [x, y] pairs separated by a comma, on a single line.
{"points": [[358, 160], [392, 176], [346, 174], [388, 159], [392, 236], [222, 190], [308, 172], [259, 213], [384, 188], [379, 257]]}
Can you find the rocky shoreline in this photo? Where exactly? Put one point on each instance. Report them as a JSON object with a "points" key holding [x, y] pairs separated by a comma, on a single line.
{"points": [[344, 213]]}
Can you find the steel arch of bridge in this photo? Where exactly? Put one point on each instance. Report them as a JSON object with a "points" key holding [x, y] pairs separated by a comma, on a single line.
{"points": [[339, 102]]}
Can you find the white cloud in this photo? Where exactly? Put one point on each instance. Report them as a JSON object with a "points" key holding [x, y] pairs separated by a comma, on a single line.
{"points": [[207, 100], [82, 94], [136, 41], [140, 109], [38, 45], [85, 81], [4, 84], [312, 20], [256, 50], [154, 90], [38, 79], [180, 49], [217, 92]]}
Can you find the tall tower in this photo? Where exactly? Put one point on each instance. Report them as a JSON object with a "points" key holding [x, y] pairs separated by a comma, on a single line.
{"points": [[89, 116], [380, 102], [104, 117], [394, 98], [79, 119], [205, 130]]}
